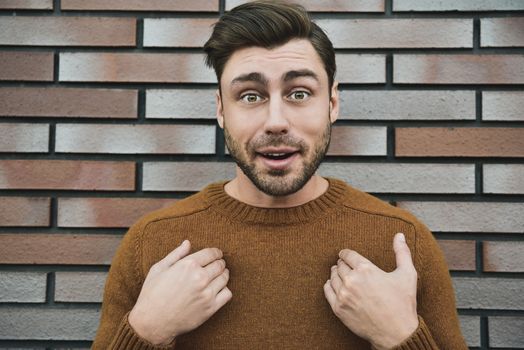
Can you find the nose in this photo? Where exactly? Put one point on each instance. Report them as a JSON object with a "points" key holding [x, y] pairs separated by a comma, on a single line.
{"points": [[276, 121]]}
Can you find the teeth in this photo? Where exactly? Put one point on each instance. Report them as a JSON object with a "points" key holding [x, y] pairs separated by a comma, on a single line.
{"points": [[275, 154]]}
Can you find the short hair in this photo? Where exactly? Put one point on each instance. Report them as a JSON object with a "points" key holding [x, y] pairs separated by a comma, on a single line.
{"points": [[266, 24]]}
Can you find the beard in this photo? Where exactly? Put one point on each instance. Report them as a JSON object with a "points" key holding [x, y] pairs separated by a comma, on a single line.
{"points": [[279, 182]]}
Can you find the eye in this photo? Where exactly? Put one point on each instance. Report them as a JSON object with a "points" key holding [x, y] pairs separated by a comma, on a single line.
{"points": [[251, 98], [299, 95]]}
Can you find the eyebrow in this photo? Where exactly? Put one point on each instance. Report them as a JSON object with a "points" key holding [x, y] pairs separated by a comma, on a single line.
{"points": [[293, 74], [261, 79], [254, 77]]}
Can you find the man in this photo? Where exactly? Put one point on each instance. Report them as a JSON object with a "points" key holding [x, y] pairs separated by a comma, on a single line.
{"points": [[278, 257]]}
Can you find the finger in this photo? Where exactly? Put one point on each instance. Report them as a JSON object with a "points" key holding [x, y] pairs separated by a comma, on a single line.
{"points": [[178, 253], [343, 269], [352, 258], [330, 294], [223, 297], [219, 282], [336, 282], [402, 252], [215, 269], [206, 256]]}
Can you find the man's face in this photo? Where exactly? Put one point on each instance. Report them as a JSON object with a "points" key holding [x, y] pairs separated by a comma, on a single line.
{"points": [[276, 112]]}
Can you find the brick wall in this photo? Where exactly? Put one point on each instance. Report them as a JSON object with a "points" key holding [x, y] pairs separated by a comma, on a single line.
{"points": [[107, 112]]}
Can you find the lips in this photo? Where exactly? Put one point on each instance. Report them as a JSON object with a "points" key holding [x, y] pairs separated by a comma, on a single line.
{"points": [[277, 158]]}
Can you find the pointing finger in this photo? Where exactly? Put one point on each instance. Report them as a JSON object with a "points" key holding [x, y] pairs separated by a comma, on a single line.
{"points": [[206, 256], [352, 258], [178, 253], [402, 252]]}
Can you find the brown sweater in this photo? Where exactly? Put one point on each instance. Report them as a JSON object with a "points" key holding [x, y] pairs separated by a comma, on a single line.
{"points": [[263, 248]]}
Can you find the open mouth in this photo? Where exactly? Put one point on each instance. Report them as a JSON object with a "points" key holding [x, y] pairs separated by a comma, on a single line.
{"points": [[277, 156]]}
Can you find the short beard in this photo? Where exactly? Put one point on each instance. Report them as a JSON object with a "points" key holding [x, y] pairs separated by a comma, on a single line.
{"points": [[274, 183]]}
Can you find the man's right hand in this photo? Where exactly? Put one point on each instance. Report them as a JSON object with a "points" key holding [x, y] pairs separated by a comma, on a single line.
{"points": [[180, 293]]}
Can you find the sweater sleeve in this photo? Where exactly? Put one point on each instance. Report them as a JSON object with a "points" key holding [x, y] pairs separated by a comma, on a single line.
{"points": [[123, 285]]}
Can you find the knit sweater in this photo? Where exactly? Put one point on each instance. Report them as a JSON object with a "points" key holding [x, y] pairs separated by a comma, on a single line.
{"points": [[279, 260]]}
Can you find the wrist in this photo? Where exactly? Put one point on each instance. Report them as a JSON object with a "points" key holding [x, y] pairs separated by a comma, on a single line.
{"points": [[391, 341], [145, 331]]}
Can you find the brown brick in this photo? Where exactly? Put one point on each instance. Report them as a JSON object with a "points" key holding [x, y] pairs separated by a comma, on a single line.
{"points": [[407, 105], [401, 33], [135, 67], [361, 68], [79, 287], [58, 249], [67, 175], [358, 140], [24, 137], [26, 66], [457, 5], [503, 256], [404, 178], [104, 138], [139, 5], [330, 5], [502, 32], [503, 105], [64, 31], [458, 69], [26, 4], [460, 255], [69, 102], [506, 331], [177, 32], [503, 178], [106, 212], [469, 216], [185, 176], [459, 142], [24, 211], [181, 103]]}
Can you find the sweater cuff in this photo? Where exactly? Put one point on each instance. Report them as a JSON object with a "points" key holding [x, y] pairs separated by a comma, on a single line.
{"points": [[421, 339], [126, 338]]}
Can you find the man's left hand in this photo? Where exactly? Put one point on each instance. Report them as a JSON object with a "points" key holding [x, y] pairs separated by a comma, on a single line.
{"points": [[378, 306]]}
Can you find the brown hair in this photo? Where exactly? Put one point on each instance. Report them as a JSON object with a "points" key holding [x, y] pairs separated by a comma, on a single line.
{"points": [[266, 24]]}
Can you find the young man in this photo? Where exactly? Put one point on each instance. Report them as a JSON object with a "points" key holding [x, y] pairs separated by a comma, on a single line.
{"points": [[278, 258]]}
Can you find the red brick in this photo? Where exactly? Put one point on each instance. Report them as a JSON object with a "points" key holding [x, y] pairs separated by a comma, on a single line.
{"points": [[181, 103], [503, 256], [135, 67], [503, 178], [139, 5], [458, 69], [26, 4], [401, 33], [361, 68], [26, 66], [24, 211], [459, 142], [67, 175], [503, 105], [60, 249], [24, 137], [502, 32], [164, 139], [330, 5], [106, 212], [177, 32], [69, 102], [460, 255], [407, 105], [64, 31], [457, 5], [358, 140]]}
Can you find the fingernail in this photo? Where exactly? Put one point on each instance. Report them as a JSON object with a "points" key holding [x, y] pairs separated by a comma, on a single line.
{"points": [[402, 237]]}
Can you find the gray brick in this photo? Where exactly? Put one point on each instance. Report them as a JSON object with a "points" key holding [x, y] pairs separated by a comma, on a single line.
{"points": [[457, 5], [506, 331], [80, 286], [503, 105], [489, 293], [48, 324], [181, 103], [503, 178], [177, 32], [407, 105], [24, 137], [470, 326], [22, 287], [361, 69]]}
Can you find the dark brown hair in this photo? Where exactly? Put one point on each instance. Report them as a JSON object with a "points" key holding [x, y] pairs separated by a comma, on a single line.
{"points": [[266, 24]]}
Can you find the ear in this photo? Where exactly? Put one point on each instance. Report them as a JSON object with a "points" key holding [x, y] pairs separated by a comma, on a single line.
{"points": [[334, 103], [220, 109]]}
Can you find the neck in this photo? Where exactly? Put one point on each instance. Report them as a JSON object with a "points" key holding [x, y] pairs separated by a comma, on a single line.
{"points": [[243, 190]]}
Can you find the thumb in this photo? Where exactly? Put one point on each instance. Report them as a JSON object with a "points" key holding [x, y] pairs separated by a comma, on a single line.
{"points": [[178, 253], [402, 252]]}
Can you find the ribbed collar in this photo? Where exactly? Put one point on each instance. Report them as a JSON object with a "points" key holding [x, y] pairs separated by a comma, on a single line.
{"points": [[236, 210]]}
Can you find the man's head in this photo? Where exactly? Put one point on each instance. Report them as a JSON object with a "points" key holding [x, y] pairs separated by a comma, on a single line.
{"points": [[277, 97]]}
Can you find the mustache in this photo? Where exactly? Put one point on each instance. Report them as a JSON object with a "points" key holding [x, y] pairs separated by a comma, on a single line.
{"points": [[276, 141]]}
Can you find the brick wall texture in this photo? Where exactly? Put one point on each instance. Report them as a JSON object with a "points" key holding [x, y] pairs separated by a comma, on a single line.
{"points": [[107, 112]]}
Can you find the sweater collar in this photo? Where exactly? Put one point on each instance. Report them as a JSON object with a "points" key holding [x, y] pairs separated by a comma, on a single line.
{"points": [[236, 210]]}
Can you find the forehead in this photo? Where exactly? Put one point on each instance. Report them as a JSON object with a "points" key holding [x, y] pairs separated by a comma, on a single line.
{"points": [[296, 54]]}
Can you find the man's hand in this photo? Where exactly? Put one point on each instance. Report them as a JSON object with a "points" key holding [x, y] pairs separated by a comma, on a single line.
{"points": [[377, 306], [180, 293]]}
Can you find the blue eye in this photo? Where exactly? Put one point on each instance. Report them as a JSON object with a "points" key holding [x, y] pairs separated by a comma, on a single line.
{"points": [[299, 95], [251, 98]]}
